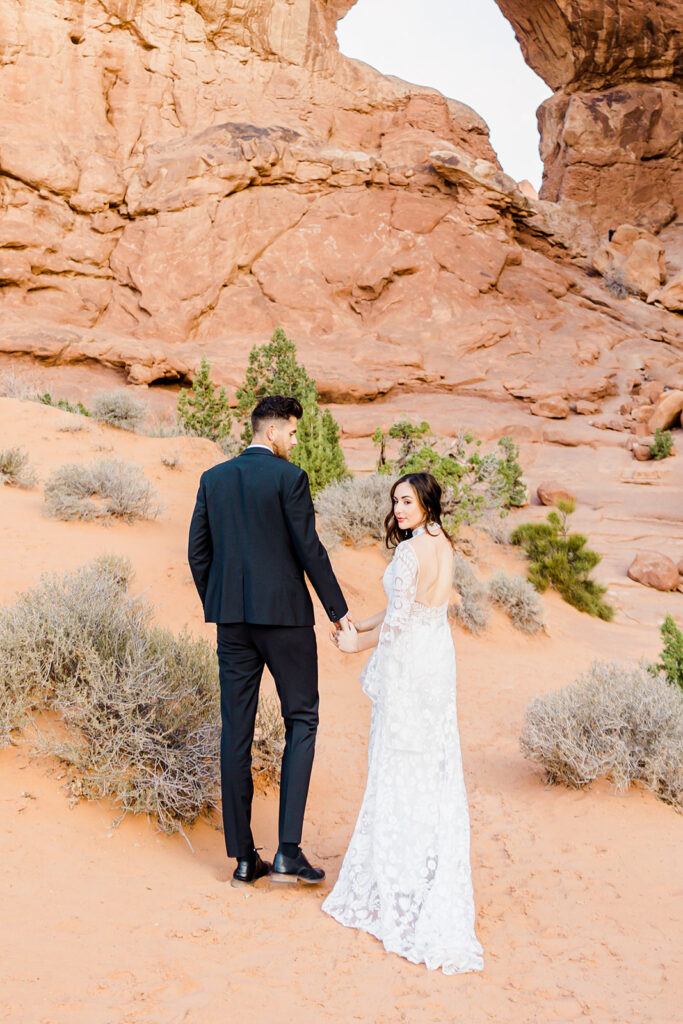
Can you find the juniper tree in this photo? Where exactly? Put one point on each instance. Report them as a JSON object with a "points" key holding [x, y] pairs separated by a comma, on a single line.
{"points": [[204, 410], [672, 652], [561, 559], [273, 369]]}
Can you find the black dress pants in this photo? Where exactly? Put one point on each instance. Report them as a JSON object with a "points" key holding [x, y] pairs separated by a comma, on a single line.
{"points": [[290, 652]]}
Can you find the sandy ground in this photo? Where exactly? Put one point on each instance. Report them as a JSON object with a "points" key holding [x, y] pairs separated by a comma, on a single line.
{"points": [[576, 891]]}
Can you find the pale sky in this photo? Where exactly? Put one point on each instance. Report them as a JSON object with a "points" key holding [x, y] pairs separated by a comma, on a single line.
{"points": [[465, 49]]}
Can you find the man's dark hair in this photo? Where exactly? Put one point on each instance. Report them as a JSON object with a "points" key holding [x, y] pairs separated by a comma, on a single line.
{"points": [[274, 407]]}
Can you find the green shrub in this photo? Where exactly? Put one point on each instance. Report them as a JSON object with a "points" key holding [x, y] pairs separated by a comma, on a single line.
{"points": [[671, 664], [473, 485], [140, 705], [45, 398], [119, 409], [353, 510], [107, 488], [15, 469], [561, 559], [618, 723], [514, 489], [519, 599], [204, 411], [662, 445], [273, 370]]}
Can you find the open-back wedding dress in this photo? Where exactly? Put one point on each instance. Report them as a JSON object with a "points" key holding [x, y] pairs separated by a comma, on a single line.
{"points": [[406, 874]]}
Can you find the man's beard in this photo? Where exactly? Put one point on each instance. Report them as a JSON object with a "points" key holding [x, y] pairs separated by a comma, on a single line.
{"points": [[281, 452]]}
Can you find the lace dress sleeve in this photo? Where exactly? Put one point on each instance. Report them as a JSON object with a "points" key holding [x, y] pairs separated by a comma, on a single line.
{"points": [[405, 566]]}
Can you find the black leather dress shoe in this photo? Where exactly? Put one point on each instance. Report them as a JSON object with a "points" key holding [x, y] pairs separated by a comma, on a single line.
{"points": [[249, 869], [295, 869]]}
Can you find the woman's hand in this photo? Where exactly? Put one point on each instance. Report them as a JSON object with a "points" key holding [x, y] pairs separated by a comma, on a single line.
{"points": [[346, 639]]}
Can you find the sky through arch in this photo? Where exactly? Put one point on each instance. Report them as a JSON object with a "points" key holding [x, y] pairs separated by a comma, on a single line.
{"points": [[465, 49]]}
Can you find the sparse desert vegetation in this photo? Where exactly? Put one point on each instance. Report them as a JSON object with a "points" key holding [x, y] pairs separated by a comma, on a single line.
{"points": [[472, 611], [562, 560], [662, 446], [615, 722], [119, 408], [353, 510], [273, 369], [671, 663], [16, 469], [139, 704], [21, 386], [475, 486], [519, 599], [106, 488]]}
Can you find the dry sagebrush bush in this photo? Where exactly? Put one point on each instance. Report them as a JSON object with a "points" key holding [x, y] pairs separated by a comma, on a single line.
{"points": [[107, 488], [16, 385], [172, 460], [140, 705], [472, 612], [615, 722], [520, 600], [354, 509], [15, 469], [119, 409]]}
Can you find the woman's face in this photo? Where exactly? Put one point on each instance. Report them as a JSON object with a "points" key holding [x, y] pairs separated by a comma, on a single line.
{"points": [[407, 509]]}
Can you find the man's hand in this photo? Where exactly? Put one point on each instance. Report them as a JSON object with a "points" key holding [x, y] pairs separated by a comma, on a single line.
{"points": [[343, 624], [346, 637]]}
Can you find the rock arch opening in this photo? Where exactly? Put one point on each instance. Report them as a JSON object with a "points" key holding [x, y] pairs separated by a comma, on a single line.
{"points": [[466, 51]]}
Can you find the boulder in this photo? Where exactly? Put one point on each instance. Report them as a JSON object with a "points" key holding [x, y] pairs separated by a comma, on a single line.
{"points": [[641, 452], [634, 259], [555, 407], [654, 570], [671, 295], [551, 491], [584, 408], [680, 567], [651, 390], [642, 413], [666, 412]]}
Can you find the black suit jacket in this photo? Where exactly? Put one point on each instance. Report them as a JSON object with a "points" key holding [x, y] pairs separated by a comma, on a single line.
{"points": [[252, 537]]}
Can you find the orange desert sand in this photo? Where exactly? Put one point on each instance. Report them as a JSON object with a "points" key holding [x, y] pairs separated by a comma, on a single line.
{"points": [[575, 891]]}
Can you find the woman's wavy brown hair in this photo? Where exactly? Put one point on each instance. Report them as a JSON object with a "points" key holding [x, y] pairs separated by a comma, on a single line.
{"points": [[428, 492]]}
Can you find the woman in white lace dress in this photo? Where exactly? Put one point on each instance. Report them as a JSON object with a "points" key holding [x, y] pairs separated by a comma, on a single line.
{"points": [[406, 874]]}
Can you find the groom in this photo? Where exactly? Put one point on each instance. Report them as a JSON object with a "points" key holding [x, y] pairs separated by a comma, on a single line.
{"points": [[252, 537]]}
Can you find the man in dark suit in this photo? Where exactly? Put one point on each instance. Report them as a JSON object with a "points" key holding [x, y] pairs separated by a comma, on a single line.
{"points": [[252, 537]]}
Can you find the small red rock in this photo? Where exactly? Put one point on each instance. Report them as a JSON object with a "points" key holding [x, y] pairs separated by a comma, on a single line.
{"points": [[652, 390], [551, 491], [553, 408], [585, 408], [654, 570]]}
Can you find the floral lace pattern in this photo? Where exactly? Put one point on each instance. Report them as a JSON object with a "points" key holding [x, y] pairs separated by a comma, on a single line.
{"points": [[406, 875]]}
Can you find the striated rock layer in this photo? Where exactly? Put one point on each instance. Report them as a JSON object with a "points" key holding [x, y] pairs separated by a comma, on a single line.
{"points": [[178, 178], [611, 135]]}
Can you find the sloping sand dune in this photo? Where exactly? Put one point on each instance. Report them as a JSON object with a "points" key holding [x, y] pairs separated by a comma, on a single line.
{"points": [[576, 891]]}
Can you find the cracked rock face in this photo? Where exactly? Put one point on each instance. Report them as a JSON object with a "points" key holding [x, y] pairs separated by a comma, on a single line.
{"points": [[177, 179], [611, 133]]}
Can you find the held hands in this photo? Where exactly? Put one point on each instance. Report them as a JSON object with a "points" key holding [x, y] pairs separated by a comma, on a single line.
{"points": [[344, 636]]}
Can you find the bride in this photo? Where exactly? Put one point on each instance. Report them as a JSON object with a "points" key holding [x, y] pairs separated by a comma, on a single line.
{"points": [[406, 875]]}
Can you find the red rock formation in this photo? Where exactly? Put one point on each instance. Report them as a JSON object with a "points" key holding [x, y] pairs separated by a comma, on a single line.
{"points": [[177, 179], [611, 133]]}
